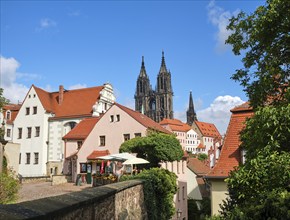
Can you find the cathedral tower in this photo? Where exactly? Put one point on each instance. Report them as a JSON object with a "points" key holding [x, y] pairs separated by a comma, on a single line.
{"points": [[156, 104], [190, 113]]}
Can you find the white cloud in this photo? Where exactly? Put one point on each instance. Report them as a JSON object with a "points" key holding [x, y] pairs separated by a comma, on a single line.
{"points": [[12, 90], [220, 18], [218, 112], [47, 22]]}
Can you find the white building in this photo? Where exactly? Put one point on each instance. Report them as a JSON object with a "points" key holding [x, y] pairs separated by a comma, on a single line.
{"points": [[187, 137], [44, 118]]}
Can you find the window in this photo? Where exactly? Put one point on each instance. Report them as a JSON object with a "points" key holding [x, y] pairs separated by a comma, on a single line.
{"points": [[19, 133], [83, 167], [37, 131], [36, 158], [118, 117], [126, 137], [20, 158], [8, 115], [8, 132], [27, 111], [27, 158], [102, 140], [80, 143], [137, 134], [35, 110], [112, 118], [106, 106], [183, 192], [28, 132]]}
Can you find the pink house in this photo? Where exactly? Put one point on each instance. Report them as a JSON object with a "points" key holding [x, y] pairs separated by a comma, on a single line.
{"points": [[103, 135]]}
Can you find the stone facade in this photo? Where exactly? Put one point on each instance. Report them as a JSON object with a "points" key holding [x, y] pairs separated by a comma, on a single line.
{"points": [[119, 201]]}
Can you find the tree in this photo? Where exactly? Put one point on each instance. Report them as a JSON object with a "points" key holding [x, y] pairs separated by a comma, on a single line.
{"points": [[156, 147], [264, 38], [260, 188], [159, 189]]}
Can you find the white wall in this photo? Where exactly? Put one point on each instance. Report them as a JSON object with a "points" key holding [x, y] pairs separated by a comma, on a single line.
{"points": [[193, 191], [34, 144]]}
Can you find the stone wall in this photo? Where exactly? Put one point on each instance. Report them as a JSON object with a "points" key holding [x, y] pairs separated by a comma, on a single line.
{"points": [[118, 201], [60, 179]]}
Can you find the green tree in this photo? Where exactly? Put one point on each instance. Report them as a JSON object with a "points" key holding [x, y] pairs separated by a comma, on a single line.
{"points": [[155, 147], [260, 188], [263, 37], [202, 156], [159, 188]]}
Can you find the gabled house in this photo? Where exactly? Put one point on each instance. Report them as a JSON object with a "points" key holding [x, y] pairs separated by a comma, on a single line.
{"points": [[230, 157], [9, 113], [45, 117], [187, 137], [196, 186], [94, 136], [104, 135]]}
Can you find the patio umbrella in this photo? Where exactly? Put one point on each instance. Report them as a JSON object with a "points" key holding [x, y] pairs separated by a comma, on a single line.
{"points": [[136, 160], [118, 157]]}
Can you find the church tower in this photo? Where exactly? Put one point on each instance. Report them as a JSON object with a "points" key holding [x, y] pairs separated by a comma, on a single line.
{"points": [[142, 90], [164, 93], [156, 104], [190, 113]]}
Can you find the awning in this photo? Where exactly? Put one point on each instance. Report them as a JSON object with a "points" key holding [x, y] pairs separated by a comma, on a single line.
{"points": [[95, 154]]}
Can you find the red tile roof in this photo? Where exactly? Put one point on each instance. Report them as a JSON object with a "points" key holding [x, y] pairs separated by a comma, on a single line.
{"points": [[175, 125], [14, 109], [201, 146], [230, 156], [82, 130], [143, 119], [78, 102], [208, 129], [97, 153], [198, 167]]}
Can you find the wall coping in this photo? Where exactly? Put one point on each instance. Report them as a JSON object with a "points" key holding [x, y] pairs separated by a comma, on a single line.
{"points": [[46, 208]]}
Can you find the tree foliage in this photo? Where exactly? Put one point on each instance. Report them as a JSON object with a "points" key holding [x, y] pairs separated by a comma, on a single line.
{"points": [[156, 147], [260, 188], [159, 188], [268, 129], [263, 37], [9, 187]]}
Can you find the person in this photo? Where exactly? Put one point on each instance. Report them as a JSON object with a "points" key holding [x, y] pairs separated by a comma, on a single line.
{"points": [[119, 170]]}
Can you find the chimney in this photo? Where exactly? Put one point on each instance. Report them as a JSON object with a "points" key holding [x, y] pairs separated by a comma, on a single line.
{"points": [[60, 96]]}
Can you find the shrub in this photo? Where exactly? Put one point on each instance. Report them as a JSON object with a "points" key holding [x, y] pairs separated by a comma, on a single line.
{"points": [[9, 187]]}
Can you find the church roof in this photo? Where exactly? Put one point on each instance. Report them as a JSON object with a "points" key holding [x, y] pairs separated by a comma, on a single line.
{"points": [[143, 119], [230, 155], [207, 129], [82, 129], [175, 125], [78, 102]]}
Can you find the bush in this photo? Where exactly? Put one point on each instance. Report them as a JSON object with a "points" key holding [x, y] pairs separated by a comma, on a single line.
{"points": [[159, 189], [9, 187]]}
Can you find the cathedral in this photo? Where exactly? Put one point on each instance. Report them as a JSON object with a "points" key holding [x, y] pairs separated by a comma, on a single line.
{"points": [[155, 103]]}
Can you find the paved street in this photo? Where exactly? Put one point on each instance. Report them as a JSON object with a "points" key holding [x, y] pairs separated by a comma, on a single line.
{"points": [[32, 191]]}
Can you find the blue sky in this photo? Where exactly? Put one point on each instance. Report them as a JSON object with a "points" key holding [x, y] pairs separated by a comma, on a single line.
{"points": [[87, 43]]}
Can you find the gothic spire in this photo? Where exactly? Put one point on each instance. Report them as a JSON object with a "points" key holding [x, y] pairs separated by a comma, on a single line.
{"points": [[163, 65], [143, 70], [191, 115]]}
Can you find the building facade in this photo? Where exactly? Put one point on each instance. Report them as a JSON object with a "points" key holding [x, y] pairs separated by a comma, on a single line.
{"points": [[45, 117], [156, 104]]}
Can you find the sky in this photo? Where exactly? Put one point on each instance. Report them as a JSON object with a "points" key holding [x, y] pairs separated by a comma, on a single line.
{"points": [[81, 44]]}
